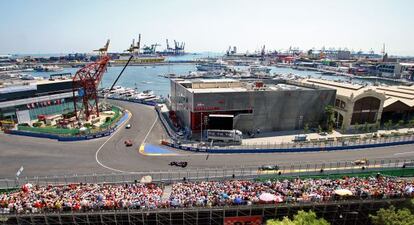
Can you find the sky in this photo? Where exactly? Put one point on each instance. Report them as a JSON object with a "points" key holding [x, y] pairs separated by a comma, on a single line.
{"points": [[57, 26]]}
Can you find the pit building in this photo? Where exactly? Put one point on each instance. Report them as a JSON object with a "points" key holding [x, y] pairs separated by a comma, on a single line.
{"points": [[265, 105], [23, 100]]}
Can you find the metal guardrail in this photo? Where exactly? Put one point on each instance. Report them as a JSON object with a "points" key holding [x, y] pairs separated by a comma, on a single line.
{"points": [[340, 212], [320, 145], [203, 174]]}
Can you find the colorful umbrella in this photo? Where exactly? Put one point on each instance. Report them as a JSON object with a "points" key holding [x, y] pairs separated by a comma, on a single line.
{"points": [[267, 197], [343, 192]]}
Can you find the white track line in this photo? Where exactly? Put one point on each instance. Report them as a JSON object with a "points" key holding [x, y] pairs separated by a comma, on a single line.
{"points": [[99, 149], [152, 127], [113, 134], [403, 153]]}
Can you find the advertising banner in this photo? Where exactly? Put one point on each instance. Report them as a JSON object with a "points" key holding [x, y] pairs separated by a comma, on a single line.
{"points": [[243, 220]]}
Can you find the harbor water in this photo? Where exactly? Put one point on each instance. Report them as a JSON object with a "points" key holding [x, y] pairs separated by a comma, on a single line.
{"points": [[151, 77]]}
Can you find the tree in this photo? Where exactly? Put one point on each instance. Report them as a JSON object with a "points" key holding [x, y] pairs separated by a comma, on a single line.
{"points": [[400, 123], [388, 124], [302, 218], [366, 127], [319, 129], [411, 123], [306, 128], [330, 118], [391, 216]]}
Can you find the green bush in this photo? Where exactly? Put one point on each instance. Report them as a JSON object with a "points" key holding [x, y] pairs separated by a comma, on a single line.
{"points": [[302, 218], [37, 124]]}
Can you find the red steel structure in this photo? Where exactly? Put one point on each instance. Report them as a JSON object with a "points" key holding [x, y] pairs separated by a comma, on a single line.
{"points": [[85, 86]]}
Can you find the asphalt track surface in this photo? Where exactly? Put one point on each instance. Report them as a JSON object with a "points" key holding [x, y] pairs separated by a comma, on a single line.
{"points": [[45, 157]]}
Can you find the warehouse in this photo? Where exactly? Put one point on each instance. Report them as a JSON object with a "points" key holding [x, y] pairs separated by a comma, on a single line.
{"points": [[361, 104], [254, 105]]}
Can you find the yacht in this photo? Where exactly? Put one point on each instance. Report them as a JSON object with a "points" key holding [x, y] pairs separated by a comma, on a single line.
{"points": [[259, 69], [145, 95], [42, 68], [211, 66]]}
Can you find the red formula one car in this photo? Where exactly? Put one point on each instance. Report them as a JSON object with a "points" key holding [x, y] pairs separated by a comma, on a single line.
{"points": [[128, 143]]}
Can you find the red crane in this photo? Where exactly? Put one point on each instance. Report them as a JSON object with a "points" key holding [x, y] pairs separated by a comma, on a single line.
{"points": [[85, 86]]}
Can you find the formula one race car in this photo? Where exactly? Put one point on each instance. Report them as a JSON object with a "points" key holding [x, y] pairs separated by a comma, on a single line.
{"points": [[128, 143], [269, 167], [361, 162], [180, 164]]}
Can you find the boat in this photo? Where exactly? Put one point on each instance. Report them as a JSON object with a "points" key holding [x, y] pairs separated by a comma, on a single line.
{"points": [[145, 95], [328, 73], [259, 69], [42, 68], [211, 66], [139, 59]]}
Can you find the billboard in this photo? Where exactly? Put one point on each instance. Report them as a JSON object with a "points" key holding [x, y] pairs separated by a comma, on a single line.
{"points": [[220, 122], [23, 116], [243, 220]]}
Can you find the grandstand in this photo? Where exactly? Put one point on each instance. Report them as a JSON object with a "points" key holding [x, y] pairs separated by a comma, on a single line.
{"points": [[203, 202]]}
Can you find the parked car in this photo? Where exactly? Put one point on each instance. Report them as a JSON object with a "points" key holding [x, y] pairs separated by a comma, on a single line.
{"points": [[128, 126], [128, 143], [269, 167], [361, 162], [180, 164]]}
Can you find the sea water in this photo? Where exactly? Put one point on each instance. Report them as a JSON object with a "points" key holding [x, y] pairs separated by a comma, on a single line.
{"points": [[150, 77]]}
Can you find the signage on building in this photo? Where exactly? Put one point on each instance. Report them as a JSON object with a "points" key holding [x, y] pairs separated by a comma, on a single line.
{"points": [[206, 108], [243, 220], [23, 116]]}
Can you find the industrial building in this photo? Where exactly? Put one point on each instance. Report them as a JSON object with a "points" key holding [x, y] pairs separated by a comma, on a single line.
{"points": [[357, 104], [265, 105], [23, 100]]}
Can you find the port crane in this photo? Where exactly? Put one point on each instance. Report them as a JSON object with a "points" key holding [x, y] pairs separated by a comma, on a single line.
{"points": [[135, 48], [85, 85], [178, 47], [102, 51]]}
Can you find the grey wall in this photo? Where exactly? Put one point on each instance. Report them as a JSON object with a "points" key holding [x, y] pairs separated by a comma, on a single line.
{"points": [[272, 110]]}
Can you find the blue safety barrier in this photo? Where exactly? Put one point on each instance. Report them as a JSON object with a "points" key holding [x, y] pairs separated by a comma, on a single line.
{"points": [[288, 150]]}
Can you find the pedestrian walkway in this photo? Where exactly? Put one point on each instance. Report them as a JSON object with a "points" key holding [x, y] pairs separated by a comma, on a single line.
{"points": [[288, 136]]}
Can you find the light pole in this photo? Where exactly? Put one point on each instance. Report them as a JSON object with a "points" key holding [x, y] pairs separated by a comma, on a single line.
{"points": [[201, 125]]}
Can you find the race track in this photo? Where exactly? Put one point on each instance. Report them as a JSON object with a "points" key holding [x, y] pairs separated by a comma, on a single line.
{"points": [[45, 157]]}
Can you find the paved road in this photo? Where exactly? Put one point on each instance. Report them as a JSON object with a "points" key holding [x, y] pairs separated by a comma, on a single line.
{"points": [[43, 157]]}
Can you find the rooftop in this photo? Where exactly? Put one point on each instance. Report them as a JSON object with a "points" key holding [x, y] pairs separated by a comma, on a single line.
{"points": [[404, 94], [231, 85]]}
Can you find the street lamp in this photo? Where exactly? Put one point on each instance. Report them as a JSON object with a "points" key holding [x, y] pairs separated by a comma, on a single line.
{"points": [[201, 125]]}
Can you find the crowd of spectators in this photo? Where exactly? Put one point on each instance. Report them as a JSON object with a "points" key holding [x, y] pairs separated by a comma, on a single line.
{"points": [[87, 197], [234, 192], [83, 197]]}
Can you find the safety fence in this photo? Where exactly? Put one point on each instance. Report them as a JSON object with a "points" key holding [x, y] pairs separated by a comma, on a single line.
{"points": [[336, 212], [267, 147], [303, 169], [144, 102]]}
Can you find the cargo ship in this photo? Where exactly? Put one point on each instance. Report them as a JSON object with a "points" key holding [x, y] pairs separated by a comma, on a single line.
{"points": [[139, 59]]}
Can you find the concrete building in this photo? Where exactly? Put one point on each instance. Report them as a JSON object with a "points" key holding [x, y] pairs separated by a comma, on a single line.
{"points": [[390, 70], [23, 100], [265, 105], [357, 104]]}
